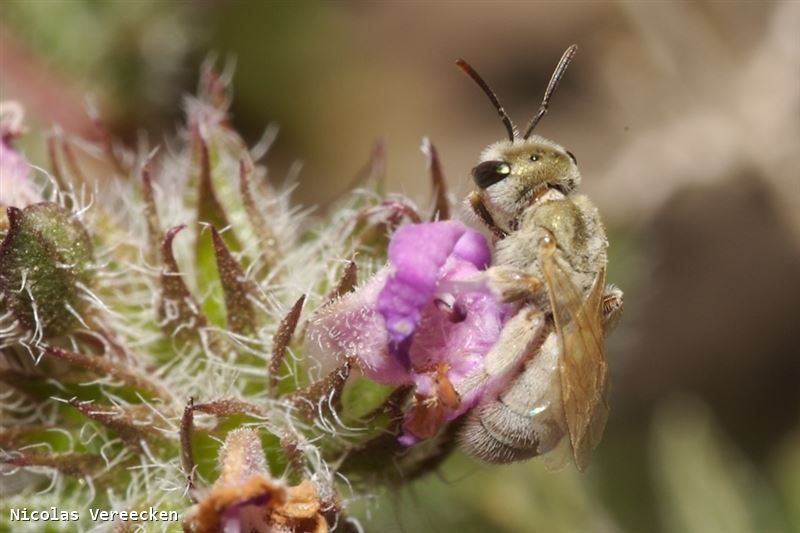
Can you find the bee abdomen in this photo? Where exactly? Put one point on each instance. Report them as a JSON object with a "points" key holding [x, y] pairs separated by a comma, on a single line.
{"points": [[496, 434]]}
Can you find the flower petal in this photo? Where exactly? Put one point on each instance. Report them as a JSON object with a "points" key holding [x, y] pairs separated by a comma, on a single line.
{"points": [[472, 247], [16, 187], [418, 252]]}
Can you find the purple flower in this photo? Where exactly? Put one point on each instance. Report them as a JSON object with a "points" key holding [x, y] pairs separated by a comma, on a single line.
{"points": [[426, 319], [16, 188], [418, 254]]}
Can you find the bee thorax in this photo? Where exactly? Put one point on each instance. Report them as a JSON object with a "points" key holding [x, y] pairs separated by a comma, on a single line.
{"points": [[575, 225]]}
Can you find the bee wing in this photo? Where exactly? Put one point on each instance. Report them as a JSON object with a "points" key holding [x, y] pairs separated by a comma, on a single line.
{"points": [[582, 365], [559, 457]]}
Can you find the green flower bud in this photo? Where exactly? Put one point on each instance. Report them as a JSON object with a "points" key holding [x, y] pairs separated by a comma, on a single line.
{"points": [[45, 258]]}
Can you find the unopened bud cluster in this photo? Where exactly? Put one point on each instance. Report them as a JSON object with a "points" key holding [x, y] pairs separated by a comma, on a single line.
{"points": [[175, 335]]}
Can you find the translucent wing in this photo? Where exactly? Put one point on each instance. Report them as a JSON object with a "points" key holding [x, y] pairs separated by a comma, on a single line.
{"points": [[559, 457], [582, 365]]}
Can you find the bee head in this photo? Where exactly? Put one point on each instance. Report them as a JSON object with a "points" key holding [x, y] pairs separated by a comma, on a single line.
{"points": [[511, 176], [515, 173]]}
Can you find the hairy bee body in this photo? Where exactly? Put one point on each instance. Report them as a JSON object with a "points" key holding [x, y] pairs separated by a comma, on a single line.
{"points": [[575, 225], [526, 418], [546, 376]]}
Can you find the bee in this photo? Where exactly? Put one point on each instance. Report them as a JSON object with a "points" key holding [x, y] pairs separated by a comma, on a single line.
{"points": [[546, 377]]}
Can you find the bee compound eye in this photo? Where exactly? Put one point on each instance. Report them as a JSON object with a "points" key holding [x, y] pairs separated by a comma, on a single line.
{"points": [[490, 172]]}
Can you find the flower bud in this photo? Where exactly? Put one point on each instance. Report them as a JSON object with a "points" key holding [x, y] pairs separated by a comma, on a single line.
{"points": [[45, 259]]}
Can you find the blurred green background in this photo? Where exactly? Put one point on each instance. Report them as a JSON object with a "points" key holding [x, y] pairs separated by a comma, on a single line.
{"points": [[685, 118]]}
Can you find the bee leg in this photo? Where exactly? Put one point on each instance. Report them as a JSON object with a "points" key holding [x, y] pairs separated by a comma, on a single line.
{"points": [[512, 284], [477, 206], [612, 308], [521, 337]]}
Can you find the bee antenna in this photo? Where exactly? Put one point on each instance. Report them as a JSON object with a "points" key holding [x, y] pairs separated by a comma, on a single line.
{"points": [[558, 73], [469, 71]]}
